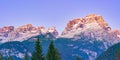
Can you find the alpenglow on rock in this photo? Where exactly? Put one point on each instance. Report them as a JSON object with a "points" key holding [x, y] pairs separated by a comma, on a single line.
{"points": [[9, 33], [86, 37], [91, 21], [92, 26]]}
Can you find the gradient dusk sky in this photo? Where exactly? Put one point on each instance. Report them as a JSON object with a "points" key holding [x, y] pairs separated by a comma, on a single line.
{"points": [[56, 13]]}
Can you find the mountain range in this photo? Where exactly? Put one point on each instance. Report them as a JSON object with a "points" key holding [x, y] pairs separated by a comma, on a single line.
{"points": [[87, 37], [110, 53]]}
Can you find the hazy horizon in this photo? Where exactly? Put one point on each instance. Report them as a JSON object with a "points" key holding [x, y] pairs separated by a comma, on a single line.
{"points": [[56, 13]]}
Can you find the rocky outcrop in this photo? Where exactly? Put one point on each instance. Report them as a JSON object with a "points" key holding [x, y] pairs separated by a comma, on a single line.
{"points": [[25, 28], [53, 31], [6, 30], [9, 33], [91, 26], [90, 21], [116, 32]]}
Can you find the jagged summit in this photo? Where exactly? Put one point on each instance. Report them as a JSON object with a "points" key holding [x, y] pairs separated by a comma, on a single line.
{"points": [[92, 21], [92, 25], [10, 33]]}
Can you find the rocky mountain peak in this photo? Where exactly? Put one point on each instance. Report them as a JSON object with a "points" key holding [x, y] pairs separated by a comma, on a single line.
{"points": [[90, 22], [27, 27], [53, 31], [9, 33], [6, 29], [99, 19], [116, 32], [91, 25]]}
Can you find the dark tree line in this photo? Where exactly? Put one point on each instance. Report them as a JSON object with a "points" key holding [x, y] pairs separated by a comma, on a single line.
{"points": [[37, 55], [52, 53]]}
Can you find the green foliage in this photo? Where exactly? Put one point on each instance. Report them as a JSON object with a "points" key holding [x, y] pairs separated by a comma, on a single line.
{"points": [[78, 58], [112, 53], [53, 53], [117, 55], [1, 57], [10, 58], [25, 57], [37, 55]]}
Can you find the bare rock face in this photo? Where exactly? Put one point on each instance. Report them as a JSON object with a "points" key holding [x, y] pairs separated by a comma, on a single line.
{"points": [[91, 21], [53, 31], [26, 28], [6, 30], [92, 26], [116, 32], [42, 29], [9, 33]]}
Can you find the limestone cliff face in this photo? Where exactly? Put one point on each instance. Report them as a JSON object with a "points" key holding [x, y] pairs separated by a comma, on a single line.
{"points": [[9, 33], [53, 31], [91, 25], [7, 29], [25, 28], [92, 21]]}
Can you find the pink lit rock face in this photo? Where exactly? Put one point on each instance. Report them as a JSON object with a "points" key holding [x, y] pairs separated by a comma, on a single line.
{"points": [[90, 35], [90, 21], [116, 32], [21, 33], [92, 26]]}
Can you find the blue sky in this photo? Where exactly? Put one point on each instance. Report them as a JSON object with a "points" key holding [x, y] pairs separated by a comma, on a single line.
{"points": [[56, 12]]}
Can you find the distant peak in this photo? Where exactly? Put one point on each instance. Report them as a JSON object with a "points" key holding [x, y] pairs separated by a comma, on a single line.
{"points": [[24, 32]]}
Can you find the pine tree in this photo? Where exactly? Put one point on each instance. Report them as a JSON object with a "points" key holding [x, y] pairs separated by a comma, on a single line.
{"points": [[78, 58], [10, 58], [1, 57], [117, 55], [37, 55], [25, 57], [57, 55], [53, 53]]}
